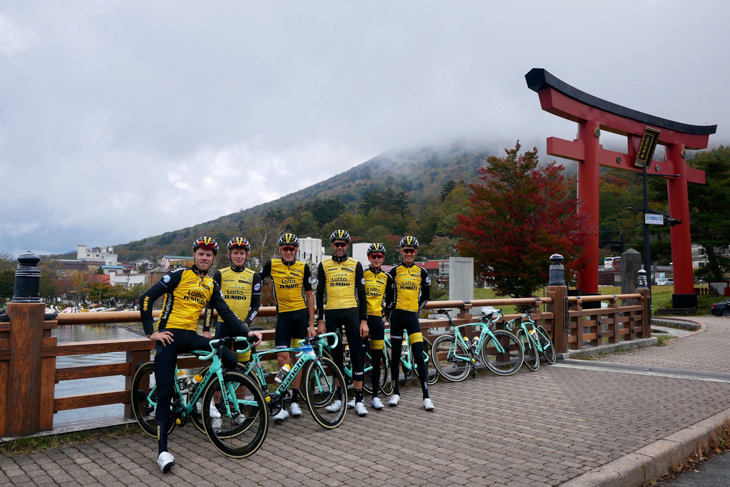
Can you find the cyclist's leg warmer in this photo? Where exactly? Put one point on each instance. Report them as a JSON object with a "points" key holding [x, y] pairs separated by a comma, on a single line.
{"points": [[165, 361], [333, 322], [397, 324], [352, 329], [377, 336], [415, 339]]}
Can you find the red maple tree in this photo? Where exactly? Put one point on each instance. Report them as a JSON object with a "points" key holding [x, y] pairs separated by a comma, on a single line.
{"points": [[519, 215]]}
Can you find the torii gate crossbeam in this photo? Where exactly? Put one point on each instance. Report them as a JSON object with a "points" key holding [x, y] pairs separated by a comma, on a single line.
{"points": [[593, 115]]}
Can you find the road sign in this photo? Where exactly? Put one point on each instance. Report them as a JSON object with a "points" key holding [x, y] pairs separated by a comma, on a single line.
{"points": [[646, 147], [652, 219]]}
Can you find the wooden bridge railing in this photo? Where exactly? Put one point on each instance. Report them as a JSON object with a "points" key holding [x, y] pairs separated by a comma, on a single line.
{"points": [[28, 351]]}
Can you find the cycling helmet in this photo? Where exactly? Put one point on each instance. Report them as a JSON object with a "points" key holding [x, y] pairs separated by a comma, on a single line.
{"points": [[340, 235], [206, 243], [288, 239], [240, 243], [408, 241], [376, 247]]}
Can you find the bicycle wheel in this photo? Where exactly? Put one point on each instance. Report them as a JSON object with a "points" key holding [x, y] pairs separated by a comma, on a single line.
{"points": [[432, 375], [548, 349], [367, 384], [445, 349], [244, 421], [532, 356], [509, 360], [319, 382], [144, 398]]}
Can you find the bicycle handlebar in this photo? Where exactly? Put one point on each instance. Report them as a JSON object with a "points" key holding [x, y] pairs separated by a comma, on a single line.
{"points": [[317, 338], [216, 344]]}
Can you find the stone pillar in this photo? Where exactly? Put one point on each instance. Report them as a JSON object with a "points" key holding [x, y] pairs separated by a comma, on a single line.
{"points": [[630, 267], [461, 278]]}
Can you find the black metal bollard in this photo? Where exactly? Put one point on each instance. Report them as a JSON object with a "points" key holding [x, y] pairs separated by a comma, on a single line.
{"points": [[27, 280]]}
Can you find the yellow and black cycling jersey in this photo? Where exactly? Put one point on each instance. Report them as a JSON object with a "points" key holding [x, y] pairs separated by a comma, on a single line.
{"points": [[411, 287], [342, 280], [241, 288], [378, 291], [291, 280], [187, 292]]}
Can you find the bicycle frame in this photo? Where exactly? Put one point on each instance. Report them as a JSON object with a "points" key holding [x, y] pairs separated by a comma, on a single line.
{"points": [[525, 325], [305, 353], [406, 360], [485, 322]]}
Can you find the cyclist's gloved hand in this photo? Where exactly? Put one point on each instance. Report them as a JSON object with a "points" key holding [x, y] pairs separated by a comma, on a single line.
{"points": [[254, 337]]}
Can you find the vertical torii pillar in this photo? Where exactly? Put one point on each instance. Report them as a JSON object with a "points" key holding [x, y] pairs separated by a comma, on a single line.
{"points": [[594, 115]]}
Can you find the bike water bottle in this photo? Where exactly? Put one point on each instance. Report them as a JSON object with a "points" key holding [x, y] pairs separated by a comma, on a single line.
{"points": [[476, 342], [182, 382], [197, 379], [282, 373]]}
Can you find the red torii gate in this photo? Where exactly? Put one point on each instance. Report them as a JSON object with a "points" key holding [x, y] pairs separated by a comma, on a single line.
{"points": [[593, 115]]}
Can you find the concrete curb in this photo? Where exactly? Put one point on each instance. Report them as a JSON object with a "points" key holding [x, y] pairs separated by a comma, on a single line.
{"points": [[610, 348], [90, 425], [654, 460]]}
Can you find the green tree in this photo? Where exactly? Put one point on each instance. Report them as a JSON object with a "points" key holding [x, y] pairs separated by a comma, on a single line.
{"points": [[519, 215]]}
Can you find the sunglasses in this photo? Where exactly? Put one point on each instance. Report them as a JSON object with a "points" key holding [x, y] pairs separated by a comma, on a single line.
{"points": [[376, 256], [288, 249], [408, 251], [339, 245]]}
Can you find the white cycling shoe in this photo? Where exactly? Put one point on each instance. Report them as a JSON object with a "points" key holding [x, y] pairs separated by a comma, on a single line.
{"points": [[295, 410], [166, 461], [214, 414], [334, 407], [376, 403], [360, 409], [428, 404], [394, 400], [281, 415], [351, 403]]}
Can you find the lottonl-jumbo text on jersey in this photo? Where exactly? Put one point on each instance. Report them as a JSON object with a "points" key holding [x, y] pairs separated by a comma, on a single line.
{"points": [[378, 288], [291, 280], [342, 280], [241, 288], [187, 292], [411, 287]]}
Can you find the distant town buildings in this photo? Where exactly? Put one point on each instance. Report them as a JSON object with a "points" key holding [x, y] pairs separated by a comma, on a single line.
{"points": [[105, 254], [174, 261], [310, 250]]}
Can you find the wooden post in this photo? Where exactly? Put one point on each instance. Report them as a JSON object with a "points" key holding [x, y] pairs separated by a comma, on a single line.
{"points": [[133, 359], [558, 291], [24, 374]]}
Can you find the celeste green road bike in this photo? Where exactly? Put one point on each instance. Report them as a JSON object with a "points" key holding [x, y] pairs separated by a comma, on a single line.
{"points": [[243, 423], [455, 355], [535, 340]]}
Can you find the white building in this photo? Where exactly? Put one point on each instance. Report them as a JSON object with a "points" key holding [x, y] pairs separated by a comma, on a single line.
{"points": [[310, 250], [126, 280], [360, 253], [96, 253]]}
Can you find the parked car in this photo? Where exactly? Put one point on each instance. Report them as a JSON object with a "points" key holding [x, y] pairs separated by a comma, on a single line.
{"points": [[661, 281], [721, 309]]}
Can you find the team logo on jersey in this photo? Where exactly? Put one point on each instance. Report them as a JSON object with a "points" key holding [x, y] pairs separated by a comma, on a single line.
{"points": [[362, 281], [165, 278], [428, 280], [229, 279], [257, 287]]}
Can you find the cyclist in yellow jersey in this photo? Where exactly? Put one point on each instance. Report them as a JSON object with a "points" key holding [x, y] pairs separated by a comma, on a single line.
{"points": [[241, 288], [379, 296], [411, 294], [292, 283], [341, 278], [187, 292]]}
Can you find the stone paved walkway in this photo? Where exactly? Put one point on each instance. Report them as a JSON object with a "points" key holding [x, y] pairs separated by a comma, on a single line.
{"points": [[531, 429]]}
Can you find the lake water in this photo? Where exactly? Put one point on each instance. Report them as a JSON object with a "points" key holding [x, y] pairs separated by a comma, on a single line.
{"points": [[80, 333]]}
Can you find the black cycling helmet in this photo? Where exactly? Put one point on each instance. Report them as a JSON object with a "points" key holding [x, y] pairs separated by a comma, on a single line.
{"points": [[288, 239], [376, 247], [340, 235], [238, 243], [408, 241], [206, 243]]}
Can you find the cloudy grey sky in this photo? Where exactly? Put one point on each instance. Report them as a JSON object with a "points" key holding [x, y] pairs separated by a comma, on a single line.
{"points": [[114, 116]]}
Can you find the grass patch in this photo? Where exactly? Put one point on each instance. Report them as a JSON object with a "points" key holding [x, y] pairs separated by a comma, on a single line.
{"points": [[662, 340], [28, 445]]}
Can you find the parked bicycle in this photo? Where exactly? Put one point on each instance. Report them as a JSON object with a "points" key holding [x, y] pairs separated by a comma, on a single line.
{"points": [[534, 340], [320, 375], [408, 363], [243, 423], [326, 351], [455, 355]]}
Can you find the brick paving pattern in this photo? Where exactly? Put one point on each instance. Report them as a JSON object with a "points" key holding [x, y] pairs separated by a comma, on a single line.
{"points": [[531, 429]]}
